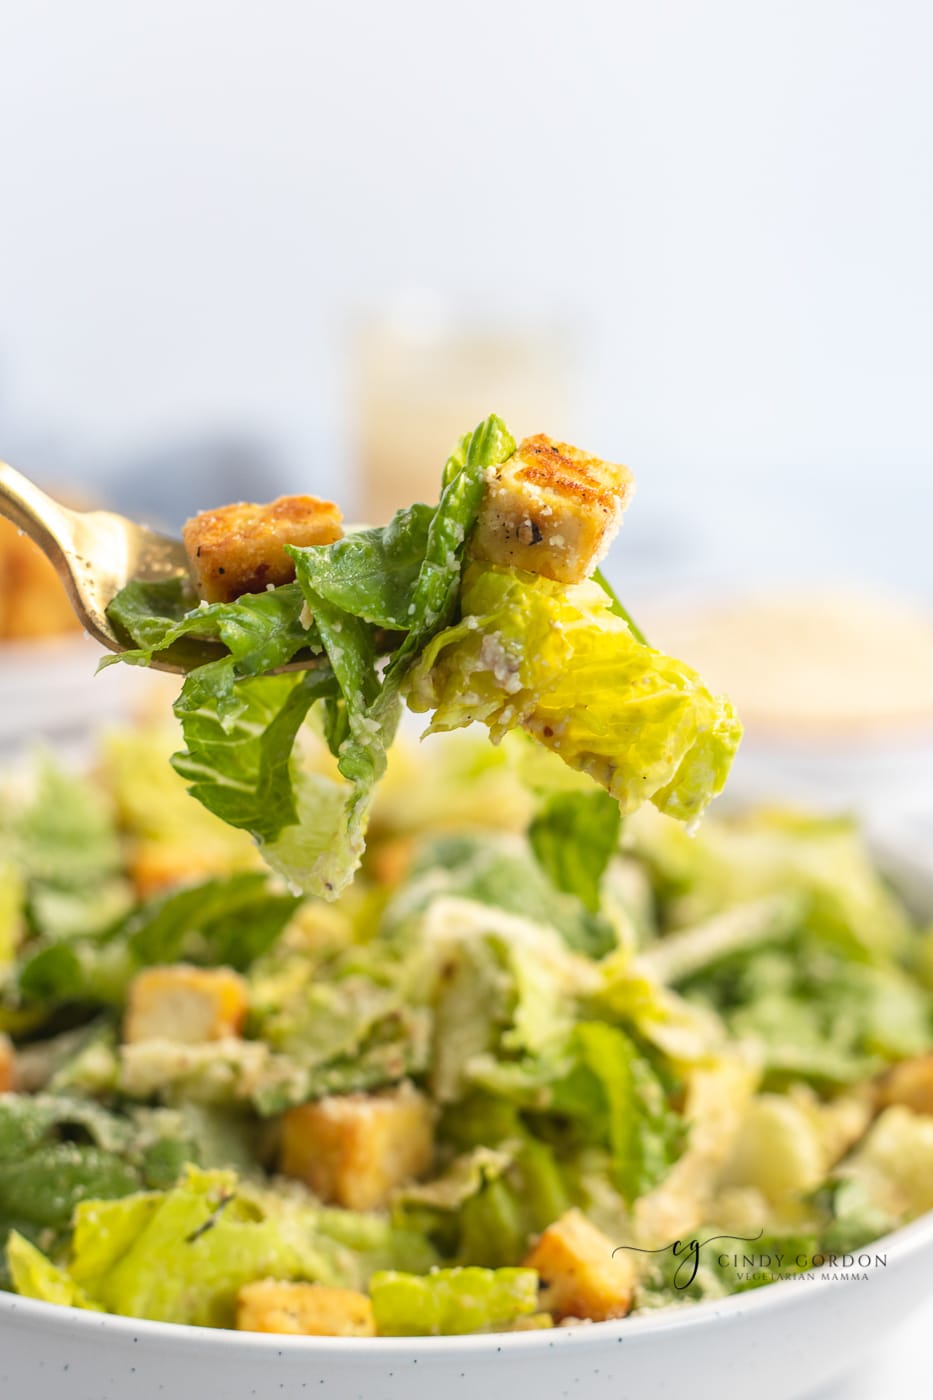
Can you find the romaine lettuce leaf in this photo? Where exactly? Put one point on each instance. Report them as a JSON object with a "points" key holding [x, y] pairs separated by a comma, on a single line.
{"points": [[816, 1015], [371, 574], [12, 909], [558, 662], [574, 836], [499, 872], [35, 1276], [56, 1151], [490, 1203], [231, 920], [643, 1132], [240, 736], [182, 1255], [604, 1091], [260, 630], [361, 736], [449, 1302], [776, 851], [66, 851]]}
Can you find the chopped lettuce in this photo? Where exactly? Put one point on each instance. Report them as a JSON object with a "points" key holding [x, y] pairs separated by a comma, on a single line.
{"points": [[231, 920], [816, 1015], [259, 630], [65, 849], [706, 1068], [54, 1153], [35, 1276], [500, 873], [574, 836], [602, 1090], [358, 1029], [560, 663], [182, 1255], [768, 851], [12, 909], [449, 1302]]}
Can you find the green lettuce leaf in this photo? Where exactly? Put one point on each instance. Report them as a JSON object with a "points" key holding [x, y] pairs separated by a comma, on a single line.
{"points": [[56, 1151], [776, 851], [500, 872], [488, 1205], [558, 662], [34, 1276], [230, 921], [449, 1302], [814, 1014], [603, 1091], [371, 574], [12, 909], [240, 738], [65, 849], [574, 836], [261, 630], [182, 1255]]}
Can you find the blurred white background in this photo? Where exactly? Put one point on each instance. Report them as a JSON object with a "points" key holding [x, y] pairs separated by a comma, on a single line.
{"points": [[731, 204]]}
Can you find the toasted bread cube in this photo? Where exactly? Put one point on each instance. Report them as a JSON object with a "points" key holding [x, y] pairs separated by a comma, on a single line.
{"points": [[7, 1065], [910, 1083], [34, 601], [580, 1275], [551, 509], [304, 1310], [241, 548], [186, 1005], [355, 1149], [160, 865]]}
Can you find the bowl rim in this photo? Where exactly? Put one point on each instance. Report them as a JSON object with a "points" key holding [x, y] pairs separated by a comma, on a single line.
{"points": [[899, 1245]]}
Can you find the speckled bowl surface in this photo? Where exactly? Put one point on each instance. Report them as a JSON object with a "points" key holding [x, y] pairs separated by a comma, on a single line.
{"points": [[775, 1343]]}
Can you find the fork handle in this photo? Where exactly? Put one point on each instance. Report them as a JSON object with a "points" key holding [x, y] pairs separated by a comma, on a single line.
{"points": [[32, 511]]}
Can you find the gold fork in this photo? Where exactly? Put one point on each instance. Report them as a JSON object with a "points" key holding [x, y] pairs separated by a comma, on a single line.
{"points": [[96, 553]]}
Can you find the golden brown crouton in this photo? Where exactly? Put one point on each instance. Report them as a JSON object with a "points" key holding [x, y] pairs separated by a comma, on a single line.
{"points": [[241, 548], [580, 1277], [910, 1083], [160, 865], [390, 861], [7, 1065], [551, 509], [33, 601], [304, 1310], [355, 1149], [187, 1005]]}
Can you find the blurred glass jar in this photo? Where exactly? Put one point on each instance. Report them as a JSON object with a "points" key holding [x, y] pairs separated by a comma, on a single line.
{"points": [[425, 373]]}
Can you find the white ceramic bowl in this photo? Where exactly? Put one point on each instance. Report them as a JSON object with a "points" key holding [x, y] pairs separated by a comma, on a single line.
{"points": [[775, 1343]]}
